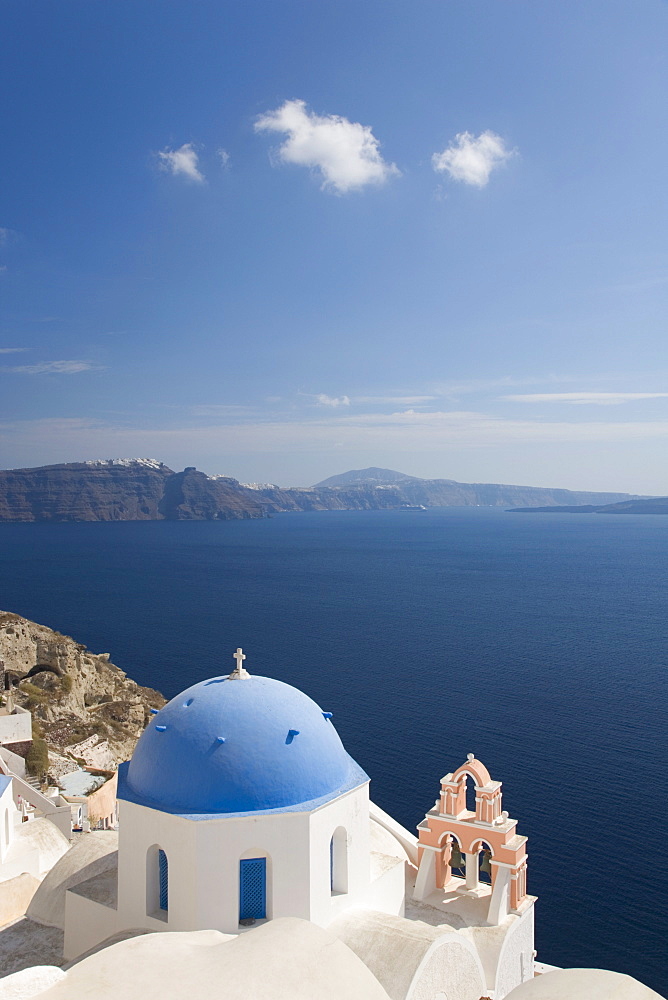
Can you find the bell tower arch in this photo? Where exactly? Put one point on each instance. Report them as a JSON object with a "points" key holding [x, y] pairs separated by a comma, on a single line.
{"points": [[456, 843]]}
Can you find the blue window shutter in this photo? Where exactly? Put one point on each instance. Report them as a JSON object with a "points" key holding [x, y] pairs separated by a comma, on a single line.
{"points": [[163, 869], [253, 889], [331, 864]]}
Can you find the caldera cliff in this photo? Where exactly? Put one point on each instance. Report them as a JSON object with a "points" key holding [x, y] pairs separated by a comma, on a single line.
{"points": [[74, 695], [147, 490]]}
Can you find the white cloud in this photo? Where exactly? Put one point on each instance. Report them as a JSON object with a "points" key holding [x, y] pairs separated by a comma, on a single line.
{"points": [[406, 432], [52, 368], [13, 350], [583, 398], [470, 159], [322, 399], [346, 153], [182, 162], [224, 156]]}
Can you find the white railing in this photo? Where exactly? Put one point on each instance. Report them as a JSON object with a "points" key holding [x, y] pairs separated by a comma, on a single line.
{"points": [[55, 809], [407, 840], [13, 764]]}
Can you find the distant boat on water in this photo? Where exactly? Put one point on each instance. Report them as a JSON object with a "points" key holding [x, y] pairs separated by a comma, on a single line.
{"points": [[412, 506]]}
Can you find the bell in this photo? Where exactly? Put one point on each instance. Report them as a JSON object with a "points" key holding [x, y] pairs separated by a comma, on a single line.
{"points": [[456, 859], [485, 863]]}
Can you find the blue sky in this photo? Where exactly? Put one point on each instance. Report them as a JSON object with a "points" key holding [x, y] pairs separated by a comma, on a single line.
{"points": [[283, 239]]}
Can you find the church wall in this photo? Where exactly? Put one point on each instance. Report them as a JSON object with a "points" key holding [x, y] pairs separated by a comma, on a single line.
{"points": [[87, 924], [204, 855], [21, 861], [141, 829], [15, 896], [450, 969], [222, 843], [387, 892], [516, 961], [349, 812]]}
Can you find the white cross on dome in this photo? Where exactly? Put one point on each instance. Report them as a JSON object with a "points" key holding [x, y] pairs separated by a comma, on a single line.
{"points": [[239, 671]]}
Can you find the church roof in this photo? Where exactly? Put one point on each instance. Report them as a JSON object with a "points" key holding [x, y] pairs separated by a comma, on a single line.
{"points": [[238, 744], [286, 959]]}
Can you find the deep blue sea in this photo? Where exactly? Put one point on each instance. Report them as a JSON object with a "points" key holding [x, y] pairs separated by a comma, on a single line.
{"points": [[537, 641]]}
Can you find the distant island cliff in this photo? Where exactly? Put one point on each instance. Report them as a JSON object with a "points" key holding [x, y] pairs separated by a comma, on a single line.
{"points": [[650, 505], [147, 490], [120, 490]]}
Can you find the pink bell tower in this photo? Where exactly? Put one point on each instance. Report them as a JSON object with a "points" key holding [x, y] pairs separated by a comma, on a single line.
{"points": [[450, 832]]}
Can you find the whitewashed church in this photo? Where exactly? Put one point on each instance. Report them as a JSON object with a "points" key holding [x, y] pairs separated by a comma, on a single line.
{"points": [[240, 807]]}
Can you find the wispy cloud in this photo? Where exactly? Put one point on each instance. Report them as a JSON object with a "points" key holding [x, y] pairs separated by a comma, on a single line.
{"points": [[221, 410], [393, 400], [182, 162], [322, 399], [52, 368], [584, 398], [224, 157], [472, 159], [13, 350], [406, 432], [480, 386], [346, 154]]}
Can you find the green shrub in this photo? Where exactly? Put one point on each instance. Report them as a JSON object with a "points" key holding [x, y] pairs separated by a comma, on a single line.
{"points": [[38, 693], [66, 683], [37, 758]]}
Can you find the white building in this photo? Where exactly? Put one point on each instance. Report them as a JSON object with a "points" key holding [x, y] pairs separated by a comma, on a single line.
{"points": [[240, 806], [30, 841], [35, 828], [15, 724]]}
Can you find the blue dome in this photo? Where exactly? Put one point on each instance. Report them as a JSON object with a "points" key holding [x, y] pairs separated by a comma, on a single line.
{"points": [[242, 745]]}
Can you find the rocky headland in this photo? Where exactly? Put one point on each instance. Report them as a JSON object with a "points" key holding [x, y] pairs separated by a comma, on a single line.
{"points": [[121, 490], [84, 707]]}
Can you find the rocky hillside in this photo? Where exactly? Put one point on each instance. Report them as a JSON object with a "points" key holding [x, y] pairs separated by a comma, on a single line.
{"points": [[192, 496], [74, 695], [369, 477], [374, 488], [121, 490]]}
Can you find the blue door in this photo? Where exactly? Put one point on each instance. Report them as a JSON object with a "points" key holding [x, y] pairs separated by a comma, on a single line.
{"points": [[253, 889]]}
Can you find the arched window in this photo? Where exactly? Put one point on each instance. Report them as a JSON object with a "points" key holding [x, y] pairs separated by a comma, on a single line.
{"points": [[455, 856], [252, 889], [157, 883], [338, 861], [470, 794], [163, 879]]}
